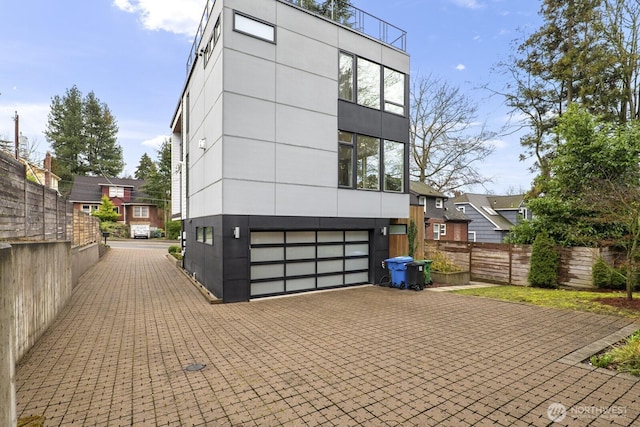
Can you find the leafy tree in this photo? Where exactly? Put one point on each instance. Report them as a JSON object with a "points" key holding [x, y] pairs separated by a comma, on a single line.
{"points": [[145, 168], [545, 260], [594, 161], [445, 147], [106, 211], [82, 132]]}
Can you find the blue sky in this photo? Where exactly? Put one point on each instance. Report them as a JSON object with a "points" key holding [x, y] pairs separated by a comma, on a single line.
{"points": [[132, 55]]}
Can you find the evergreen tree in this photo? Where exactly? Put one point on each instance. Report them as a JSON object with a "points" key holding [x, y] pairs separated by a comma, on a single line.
{"points": [[145, 168], [106, 211], [158, 181], [104, 155], [65, 132], [82, 133]]}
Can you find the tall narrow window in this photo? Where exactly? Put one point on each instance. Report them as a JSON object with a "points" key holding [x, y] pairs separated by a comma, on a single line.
{"points": [[345, 78], [393, 91], [393, 166], [368, 164], [436, 231], [368, 78], [345, 159]]}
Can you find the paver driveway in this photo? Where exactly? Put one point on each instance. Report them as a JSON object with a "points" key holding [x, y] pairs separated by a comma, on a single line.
{"points": [[362, 356]]}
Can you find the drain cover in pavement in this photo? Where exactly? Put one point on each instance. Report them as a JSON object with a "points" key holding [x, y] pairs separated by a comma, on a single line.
{"points": [[195, 367]]}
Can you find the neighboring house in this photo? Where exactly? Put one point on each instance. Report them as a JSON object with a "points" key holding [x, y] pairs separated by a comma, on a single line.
{"points": [[125, 194], [442, 221], [42, 175], [492, 216], [290, 148]]}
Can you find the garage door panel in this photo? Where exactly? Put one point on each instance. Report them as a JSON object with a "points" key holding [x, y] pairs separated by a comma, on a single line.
{"points": [[330, 281], [267, 288], [301, 252], [301, 268], [267, 271], [304, 284], [332, 266], [357, 264]]}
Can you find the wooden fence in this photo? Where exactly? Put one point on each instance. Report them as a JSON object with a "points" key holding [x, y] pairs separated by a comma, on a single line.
{"points": [[509, 264], [33, 212]]}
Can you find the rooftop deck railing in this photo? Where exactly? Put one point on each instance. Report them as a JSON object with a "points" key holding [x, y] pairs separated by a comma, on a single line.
{"points": [[339, 11], [350, 16]]}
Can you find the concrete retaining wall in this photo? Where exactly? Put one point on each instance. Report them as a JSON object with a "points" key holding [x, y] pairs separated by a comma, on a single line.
{"points": [[42, 286], [82, 258], [7, 360]]}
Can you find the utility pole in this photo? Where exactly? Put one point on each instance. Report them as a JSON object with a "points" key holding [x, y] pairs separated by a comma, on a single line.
{"points": [[16, 119]]}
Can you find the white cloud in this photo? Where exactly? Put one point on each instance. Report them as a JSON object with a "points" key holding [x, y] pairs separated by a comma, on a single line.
{"points": [[180, 17], [469, 4], [460, 67], [155, 142]]}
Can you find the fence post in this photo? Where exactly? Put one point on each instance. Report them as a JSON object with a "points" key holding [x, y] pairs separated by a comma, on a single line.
{"points": [[7, 331]]}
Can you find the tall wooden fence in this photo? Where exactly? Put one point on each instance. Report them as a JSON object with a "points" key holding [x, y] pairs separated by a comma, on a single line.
{"points": [[32, 212], [509, 264]]}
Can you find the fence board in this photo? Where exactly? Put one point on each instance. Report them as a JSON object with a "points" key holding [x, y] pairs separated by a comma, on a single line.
{"points": [[30, 211]]}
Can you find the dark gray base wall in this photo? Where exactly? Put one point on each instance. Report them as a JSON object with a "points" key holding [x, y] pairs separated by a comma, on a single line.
{"points": [[223, 266]]}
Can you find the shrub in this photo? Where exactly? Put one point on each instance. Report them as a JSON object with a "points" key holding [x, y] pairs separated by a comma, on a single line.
{"points": [[173, 229], [543, 272], [601, 274], [442, 264], [116, 229], [173, 249]]}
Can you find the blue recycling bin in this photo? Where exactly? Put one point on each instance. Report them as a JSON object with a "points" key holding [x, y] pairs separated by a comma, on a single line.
{"points": [[398, 270]]}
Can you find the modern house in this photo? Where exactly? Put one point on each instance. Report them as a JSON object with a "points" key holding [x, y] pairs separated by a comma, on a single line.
{"points": [[87, 191], [290, 147], [492, 216], [442, 221]]}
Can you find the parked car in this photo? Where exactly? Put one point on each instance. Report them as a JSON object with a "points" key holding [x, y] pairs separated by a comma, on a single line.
{"points": [[140, 231]]}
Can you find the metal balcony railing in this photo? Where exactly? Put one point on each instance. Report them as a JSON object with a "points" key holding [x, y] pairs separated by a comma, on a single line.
{"points": [[339, 11], [343, 13]]}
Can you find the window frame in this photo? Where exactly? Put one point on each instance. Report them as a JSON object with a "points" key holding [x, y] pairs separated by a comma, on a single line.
{"points": [[116, 191], [142, 208], [255, 20], [439, 203], [436, 231], [356, 182], [385, 105]]}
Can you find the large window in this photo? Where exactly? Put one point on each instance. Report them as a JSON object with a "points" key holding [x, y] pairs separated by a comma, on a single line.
{"points": [[369, 79], [368, 162], [373, 160]]}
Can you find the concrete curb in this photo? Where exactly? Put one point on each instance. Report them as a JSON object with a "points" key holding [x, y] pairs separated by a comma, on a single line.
{"points": [[211, 299]]}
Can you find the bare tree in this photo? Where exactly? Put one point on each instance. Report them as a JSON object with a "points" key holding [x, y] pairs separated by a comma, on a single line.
{"points": [[447, 143]]}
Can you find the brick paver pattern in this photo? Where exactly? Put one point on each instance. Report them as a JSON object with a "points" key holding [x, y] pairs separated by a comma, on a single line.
{"points": [[373, 356]]}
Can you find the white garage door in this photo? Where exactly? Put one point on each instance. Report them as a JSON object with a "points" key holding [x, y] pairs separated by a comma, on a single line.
{"points": [[295, 261]]}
